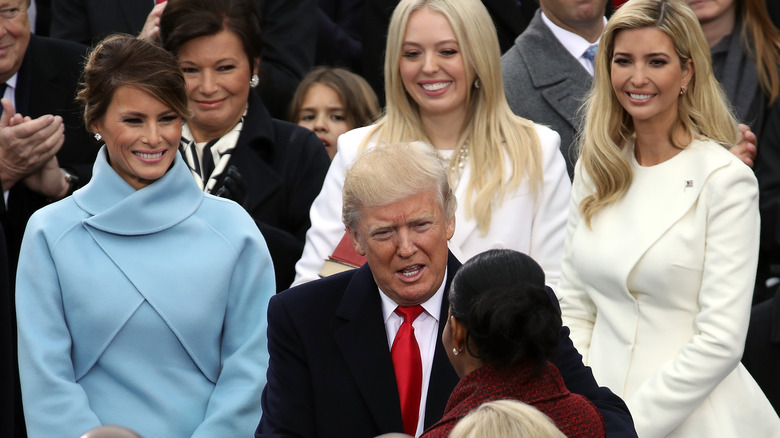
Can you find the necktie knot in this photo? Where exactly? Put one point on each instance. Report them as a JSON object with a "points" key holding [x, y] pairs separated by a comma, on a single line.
{"points": [[590, 53], [409, 313]]}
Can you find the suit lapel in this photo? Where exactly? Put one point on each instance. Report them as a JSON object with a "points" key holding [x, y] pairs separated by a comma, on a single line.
{"points": [[560, 77], [363, 343], [253, 155], [661, 204]]}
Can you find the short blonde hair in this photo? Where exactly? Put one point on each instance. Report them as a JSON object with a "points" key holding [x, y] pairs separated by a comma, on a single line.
{"points": [[703, 111], [388, 173], [506, 418]]}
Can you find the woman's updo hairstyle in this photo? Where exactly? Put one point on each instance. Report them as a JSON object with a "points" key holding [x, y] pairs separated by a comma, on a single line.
{"points": [[499, 296], [121, 60]]}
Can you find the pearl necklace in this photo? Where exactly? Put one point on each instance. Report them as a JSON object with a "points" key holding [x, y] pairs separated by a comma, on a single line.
{"points": [[459, 162]]}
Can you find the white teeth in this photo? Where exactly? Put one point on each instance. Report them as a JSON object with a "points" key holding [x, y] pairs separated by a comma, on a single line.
{"points": [[640, 96], [411, 273], [149, 156], [436, 86]]}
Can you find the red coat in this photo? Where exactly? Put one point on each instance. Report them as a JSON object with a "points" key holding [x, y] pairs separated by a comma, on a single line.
{"points": [[574, 415]]}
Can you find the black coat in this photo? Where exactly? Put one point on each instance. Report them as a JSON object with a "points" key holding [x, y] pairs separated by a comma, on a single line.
{"points": [[330, 371], [46, 84], [283, 166], [762, 348]]}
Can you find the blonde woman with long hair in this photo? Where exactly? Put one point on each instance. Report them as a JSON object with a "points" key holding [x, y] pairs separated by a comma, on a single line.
{"points": [[662, 238], [443, 86]]}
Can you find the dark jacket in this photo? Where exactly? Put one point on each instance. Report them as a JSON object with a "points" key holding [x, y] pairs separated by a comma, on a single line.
{"points": [[331, 375], [283, 166]]}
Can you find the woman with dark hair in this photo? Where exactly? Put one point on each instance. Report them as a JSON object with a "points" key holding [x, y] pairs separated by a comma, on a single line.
{"points": [[500, 335], [121, 320], [231, 144]]}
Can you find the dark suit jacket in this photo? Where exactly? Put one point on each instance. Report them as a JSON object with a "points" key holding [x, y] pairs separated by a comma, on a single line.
{"points": [[767, 167], [8, 366], [762, 348], [47, 82], [289, 37], [331, 375], [544, 83], [283, 166]]}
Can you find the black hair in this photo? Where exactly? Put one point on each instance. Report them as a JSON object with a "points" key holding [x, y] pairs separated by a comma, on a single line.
{"points": [[500, 298]]}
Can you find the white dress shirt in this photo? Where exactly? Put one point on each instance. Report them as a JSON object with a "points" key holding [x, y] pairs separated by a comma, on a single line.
{"points": [[426, 332], [574, 44], [10, 94]]}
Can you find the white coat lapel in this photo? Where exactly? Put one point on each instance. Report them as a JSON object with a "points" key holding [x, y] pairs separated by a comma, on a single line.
{"points": [[652, 206]]}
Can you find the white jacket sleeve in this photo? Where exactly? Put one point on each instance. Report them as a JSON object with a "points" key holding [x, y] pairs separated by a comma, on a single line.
{"points": [[326, 227], [577, 309], [548, 230]]}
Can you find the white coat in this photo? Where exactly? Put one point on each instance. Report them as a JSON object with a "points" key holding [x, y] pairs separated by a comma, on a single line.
{"points": [[657, 294], [532, 226]]}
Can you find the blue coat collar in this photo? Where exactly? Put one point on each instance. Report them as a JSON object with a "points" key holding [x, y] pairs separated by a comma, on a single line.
{"points": [[118, 208]]}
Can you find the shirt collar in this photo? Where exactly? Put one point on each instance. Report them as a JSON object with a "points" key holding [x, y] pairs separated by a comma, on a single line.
{"points": [[432, 307], [574, 44]]}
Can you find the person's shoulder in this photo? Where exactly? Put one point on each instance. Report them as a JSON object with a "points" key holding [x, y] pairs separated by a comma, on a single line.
{"points": [[316, 295], [350, 141], [720, 157], [56, 218], [227, 218]]}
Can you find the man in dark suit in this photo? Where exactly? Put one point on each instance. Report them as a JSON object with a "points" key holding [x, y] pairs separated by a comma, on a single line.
{"points": [[43, 150], [331, 342]]}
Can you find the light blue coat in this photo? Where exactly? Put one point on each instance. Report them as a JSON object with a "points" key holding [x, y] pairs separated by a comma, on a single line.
{"points": [[143, 308]]}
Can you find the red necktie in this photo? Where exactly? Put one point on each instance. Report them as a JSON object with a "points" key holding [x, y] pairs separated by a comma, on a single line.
{"points": [[408, 368]]}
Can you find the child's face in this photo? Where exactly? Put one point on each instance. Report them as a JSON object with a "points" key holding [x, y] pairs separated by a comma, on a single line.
{"points": [[323, 112]]}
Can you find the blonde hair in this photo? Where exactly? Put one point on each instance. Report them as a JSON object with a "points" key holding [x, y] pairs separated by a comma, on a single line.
{"points": [[759, 30], [506, 418], [493, 134], [703, 111], [391, 172]]}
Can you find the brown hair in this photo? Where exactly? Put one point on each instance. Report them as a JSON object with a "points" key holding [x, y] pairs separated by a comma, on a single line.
{"points": [[185, 20], [125, 60], [361, 106]]}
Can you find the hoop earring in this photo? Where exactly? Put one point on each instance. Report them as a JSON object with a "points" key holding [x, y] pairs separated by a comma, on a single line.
{"points": [[476, 83], [683, 90], [254, 81]]}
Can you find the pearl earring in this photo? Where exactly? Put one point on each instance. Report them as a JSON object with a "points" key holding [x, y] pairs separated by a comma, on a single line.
{"points": [[98, 137], [254, 81]]}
